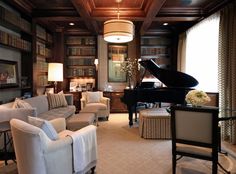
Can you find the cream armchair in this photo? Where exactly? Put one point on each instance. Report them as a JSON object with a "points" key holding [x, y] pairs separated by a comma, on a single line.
{"points": [[37, 154], [95, 101]]}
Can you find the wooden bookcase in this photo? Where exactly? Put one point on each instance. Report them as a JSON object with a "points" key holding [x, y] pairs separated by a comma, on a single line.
{"points": [[20, 39], [43, 50], [81, 52], [157, 48]]}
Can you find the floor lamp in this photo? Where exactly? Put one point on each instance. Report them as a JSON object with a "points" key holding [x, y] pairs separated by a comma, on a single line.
{"points": [[55, 73]]}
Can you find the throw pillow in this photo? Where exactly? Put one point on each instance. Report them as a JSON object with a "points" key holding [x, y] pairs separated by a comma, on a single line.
{"points": [[45, 125], [56, 100], [93, 97], [18, 103]]}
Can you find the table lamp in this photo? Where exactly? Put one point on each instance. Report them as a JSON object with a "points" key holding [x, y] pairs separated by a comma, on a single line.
{"points": [[55, 73]]}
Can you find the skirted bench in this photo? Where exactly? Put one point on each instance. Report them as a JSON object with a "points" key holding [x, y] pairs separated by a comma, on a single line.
{"points": [[154, 123]]}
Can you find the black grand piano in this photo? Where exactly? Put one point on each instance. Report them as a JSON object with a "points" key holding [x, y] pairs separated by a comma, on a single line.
{"points": [[177, 85]]}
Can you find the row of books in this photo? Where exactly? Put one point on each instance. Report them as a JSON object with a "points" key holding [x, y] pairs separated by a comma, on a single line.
{"points": [[156, 41], [42, 65], [42, 80], [159, 60], [41, 33], [81, 61], [14, 19], [117, 49], [14, 41], [80, 40], [155, 51], [80, 72], [76, 51]]}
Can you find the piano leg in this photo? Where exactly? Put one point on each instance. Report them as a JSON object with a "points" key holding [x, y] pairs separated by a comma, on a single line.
{"points": [[130, 115]]}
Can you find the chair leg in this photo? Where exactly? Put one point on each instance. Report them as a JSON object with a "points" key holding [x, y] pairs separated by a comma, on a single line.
{"points": [[93, 169], [173, 164], [214, 167]]}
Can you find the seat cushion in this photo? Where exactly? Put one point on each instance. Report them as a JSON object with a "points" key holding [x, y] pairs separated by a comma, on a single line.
{"points": [[99, 106], [62, 112], [194, 149]]}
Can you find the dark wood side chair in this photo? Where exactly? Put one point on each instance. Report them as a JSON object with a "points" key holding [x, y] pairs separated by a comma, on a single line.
{"points": [[195, 134]]}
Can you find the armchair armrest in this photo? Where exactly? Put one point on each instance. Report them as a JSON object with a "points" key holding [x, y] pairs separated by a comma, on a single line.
{"points": [[53, 146], [105, 100], [20, 113], [59, 124], [82, 102]]}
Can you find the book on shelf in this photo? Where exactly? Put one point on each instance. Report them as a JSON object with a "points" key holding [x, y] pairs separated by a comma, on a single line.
{"points": [[40, 32], [14, 41], [14, 19], [80, 40]]}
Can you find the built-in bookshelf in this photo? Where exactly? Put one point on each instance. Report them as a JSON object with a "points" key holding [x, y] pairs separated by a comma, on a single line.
{"points": [[80, 56], [157, 48], [44, 45], [16, 36]]}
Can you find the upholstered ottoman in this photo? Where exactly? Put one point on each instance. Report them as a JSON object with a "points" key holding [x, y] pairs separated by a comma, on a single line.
{"points": [[79, 121], [154, 123]]}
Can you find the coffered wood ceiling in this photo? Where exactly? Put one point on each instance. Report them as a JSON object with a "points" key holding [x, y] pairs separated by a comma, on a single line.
{"points": [[147, 15]]}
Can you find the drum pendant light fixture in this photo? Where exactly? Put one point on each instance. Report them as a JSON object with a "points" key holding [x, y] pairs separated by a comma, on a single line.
{"points": [[118, 30]]}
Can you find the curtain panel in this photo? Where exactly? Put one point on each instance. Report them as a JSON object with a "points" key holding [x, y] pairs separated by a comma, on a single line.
{"points": [[227, 70]]}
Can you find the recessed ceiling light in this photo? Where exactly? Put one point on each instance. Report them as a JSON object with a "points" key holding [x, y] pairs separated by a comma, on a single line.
{"points": [[165, 23], [71, 23]]}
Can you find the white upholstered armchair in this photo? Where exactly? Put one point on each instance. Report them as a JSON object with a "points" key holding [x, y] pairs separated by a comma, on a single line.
{"points": [[36, 153], [91, 101]]}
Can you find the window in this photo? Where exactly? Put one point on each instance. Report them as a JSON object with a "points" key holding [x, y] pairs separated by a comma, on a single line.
{"points": [[202, 53]]}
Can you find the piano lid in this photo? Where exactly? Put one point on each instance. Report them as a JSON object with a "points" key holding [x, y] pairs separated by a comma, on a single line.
{"points": [[170, 78]]}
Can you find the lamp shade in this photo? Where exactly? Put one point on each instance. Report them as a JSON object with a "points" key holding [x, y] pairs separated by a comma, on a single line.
{"points": [[55, 72], [118, 31]]}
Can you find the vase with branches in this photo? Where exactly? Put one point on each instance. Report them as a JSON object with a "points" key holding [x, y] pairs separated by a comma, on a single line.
{"points": [[130, 67]]}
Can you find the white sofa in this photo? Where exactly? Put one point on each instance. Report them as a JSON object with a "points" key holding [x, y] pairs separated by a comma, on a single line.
{"points": [[40, 109]]}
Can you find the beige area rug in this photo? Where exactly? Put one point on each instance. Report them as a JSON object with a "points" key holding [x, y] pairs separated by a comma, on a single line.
{"points": [[122, 151]]}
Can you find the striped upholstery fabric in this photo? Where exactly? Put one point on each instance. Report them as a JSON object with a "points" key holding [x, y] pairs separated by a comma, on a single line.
{"points": [[18, 103], [154, 123], [56, 100]]}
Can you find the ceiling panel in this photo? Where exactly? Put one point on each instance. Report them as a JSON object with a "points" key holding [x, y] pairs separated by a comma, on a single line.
{"points": [[146, 14]]}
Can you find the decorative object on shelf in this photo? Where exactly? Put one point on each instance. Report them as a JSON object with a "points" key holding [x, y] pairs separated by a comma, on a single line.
{"points": [[96, 63], [117, 30], [55, 73], [197, 97], [130, 67]]}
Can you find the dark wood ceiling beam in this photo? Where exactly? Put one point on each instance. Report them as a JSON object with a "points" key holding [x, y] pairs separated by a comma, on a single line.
{"points": [[82, 9], [61, 18], [152, 11], [180, 11], [54, 13], [175, 19]]}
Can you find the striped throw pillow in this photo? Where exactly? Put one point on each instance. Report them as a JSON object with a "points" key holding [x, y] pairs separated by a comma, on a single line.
{"points": [[56, 100], [18, 103]]}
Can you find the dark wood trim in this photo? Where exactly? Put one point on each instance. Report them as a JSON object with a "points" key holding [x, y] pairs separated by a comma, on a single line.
{"points": [[154, 8]]}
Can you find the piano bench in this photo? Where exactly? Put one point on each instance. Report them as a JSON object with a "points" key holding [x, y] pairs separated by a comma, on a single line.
{"points": [[154, 123]]}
